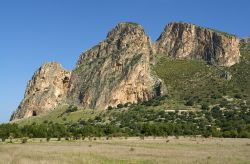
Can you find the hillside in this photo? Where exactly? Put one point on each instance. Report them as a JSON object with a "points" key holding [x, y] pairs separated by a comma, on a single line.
{"points": [[128, 68], [191, 81], [202, 100]]}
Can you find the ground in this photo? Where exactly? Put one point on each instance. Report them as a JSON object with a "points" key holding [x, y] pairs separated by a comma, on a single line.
{"points": [[130, 150]]}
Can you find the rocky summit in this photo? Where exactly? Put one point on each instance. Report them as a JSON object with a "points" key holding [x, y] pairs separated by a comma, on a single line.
{"points": [[183, 40], [118, 70], [115, 71]]}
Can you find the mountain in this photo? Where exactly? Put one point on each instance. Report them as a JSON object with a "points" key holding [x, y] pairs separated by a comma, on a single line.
{"points": [[115, 71], [46, 89], [183, 40], [186, 62]]}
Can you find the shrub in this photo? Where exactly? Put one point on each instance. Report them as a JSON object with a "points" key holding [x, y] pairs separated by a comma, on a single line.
{"points": [[132, 149], [58, 138], [238, 96], [230, 134], [24, 140], [244, 134], [204, 106], [190, 102], [109, 108], [142, 137], [120, 106], [48, 139], [71, 108]]}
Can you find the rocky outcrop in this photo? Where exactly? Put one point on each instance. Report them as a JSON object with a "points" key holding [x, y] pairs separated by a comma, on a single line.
{"points": [[116, 71], [46, 89], [183, 40]]}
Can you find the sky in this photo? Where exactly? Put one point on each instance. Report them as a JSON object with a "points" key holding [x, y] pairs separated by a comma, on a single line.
{"points": [[33, 32]]}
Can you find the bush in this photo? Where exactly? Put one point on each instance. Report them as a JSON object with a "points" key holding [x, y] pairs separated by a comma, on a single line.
{"points": [[142, 137], [152, 102], [237, 96], [204, 106], [24, 140], [244, 134], [230, 134], [190, 102], [109, 108], [48, 139], [132, 149], [71, 108], [120, 106]]}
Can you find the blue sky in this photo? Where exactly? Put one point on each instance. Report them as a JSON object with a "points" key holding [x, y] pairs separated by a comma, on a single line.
{"points": [[36, 31]]}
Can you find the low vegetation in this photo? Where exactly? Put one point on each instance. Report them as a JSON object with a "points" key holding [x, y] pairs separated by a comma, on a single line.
{"points": [[156, 117], [123, 150]]}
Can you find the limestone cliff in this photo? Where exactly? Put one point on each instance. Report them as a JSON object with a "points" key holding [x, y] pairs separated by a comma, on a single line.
{"points": [[45, 90], [115, 71], [118, 69], [184, 40]]}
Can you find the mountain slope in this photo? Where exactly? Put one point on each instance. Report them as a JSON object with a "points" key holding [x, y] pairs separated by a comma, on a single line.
{"points": [[127, 68], [115, 71], [200, 100]]}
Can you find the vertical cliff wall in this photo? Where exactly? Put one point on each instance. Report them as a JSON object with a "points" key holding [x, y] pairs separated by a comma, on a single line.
{"points": [[184, 40], [115, 71], [118, 69], [46, 89]]}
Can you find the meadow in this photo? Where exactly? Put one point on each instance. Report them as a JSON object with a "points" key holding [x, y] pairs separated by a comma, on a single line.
{"points": [[127, 150]]}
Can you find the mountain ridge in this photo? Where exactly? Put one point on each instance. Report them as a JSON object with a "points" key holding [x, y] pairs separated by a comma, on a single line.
{"points": [[118, 70]]}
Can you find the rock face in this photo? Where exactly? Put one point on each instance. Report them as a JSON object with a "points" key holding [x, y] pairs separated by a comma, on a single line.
{"points": [[183, 40], [45, 90], [115, 71], [118, 69]]}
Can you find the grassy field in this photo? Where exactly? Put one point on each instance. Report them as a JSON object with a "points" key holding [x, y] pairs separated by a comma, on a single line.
{"points": [[131, 150]]}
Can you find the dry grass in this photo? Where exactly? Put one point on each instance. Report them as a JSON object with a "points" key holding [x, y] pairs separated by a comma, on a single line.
{"points": [[131, 150]]}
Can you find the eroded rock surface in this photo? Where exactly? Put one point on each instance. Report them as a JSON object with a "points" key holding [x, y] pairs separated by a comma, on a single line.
{"points": [[46, 89], [118, 69], [184, 40], [115, 71]]}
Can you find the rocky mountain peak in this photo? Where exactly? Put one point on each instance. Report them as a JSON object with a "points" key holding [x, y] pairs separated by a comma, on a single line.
{"points": [[115, 71], [118, 70], [185, 40], [125, 28], [122, 37]]}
